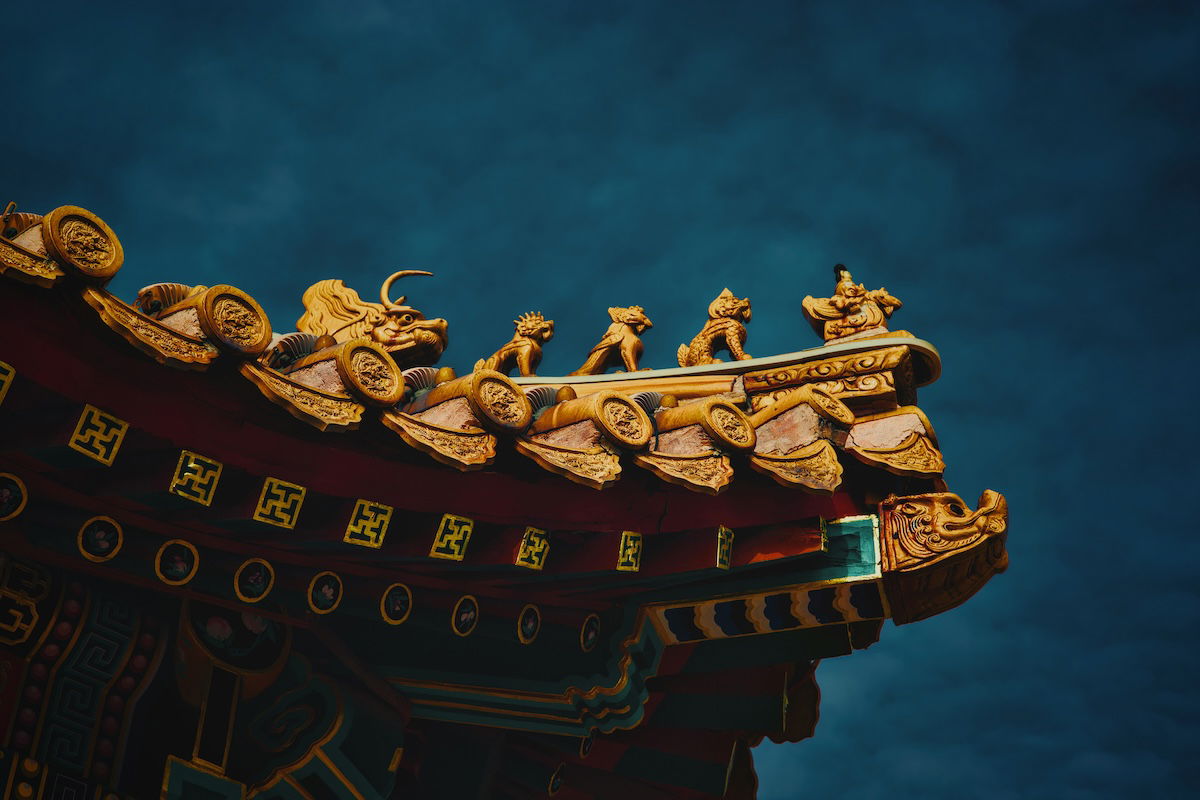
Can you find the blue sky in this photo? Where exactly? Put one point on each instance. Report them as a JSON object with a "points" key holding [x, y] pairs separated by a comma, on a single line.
{"points": [[1022, 175]]}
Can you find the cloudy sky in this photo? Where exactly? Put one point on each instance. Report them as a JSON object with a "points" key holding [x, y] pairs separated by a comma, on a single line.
{"points": [[1022, 175]]}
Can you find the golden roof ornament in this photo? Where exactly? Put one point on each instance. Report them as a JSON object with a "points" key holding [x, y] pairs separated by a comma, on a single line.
{"points": [[725, 328], [524, 349], [621, 344], [335, 310], [852, 309]]}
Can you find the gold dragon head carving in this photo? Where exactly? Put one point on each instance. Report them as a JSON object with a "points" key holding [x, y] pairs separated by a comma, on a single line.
{"points": [[333, 309], [937, 552], [925, 528]]}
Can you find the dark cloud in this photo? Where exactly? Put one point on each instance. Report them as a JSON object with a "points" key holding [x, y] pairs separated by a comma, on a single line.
{"points": [[1022, 175]]}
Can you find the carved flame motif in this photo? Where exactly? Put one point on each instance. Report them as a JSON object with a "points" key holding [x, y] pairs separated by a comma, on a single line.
{"points": [[333, 309]]}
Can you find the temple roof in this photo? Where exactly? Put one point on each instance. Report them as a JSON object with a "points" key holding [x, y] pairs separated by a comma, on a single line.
{"points": [[651, 529]]}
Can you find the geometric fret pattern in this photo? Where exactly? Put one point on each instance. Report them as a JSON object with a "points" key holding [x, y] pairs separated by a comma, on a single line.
{"points": [[368, 524], [535, 547], [79, 688], [98, 435], [279, 503], [453, 536], [195, 477], [629, 556], [724, 547]]}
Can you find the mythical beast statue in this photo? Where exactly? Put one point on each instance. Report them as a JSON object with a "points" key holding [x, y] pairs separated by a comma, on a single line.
{"points": [[524, 349], [852, 309], [621, 343], [726, 315], [333, 309]]}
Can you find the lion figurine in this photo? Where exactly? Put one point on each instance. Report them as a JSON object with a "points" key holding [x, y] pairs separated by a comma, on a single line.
{"points": [[726, 316], [621, 343], [524, 349]]}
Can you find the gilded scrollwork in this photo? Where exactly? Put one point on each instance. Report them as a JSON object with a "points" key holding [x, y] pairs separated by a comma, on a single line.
{"points": [[623, 420], [26, 265], [813, 466], [78, 239], [916, 455], [733, 426], [237, 320], [317, 408], [596, 467], [502, 402], [831, 374], [463, 449], [149, 336], [706, 472]]}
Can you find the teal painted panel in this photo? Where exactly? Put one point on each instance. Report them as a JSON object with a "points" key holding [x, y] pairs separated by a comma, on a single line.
{"points": [[851, 553], [185, 782]]}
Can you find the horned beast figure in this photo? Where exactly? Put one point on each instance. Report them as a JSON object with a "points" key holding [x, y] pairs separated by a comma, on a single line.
{"points": [[524, 349], [335, 310], [726, 317], [621, 343]]}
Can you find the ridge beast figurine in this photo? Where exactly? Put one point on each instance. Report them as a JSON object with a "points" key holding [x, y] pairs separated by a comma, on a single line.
{"points": [[851, 310], [726, 315], [620, 344], [524, 349]]}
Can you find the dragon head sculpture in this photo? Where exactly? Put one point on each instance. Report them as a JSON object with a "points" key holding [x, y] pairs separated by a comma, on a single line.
{"points": [[937, 552], [333, 309]]}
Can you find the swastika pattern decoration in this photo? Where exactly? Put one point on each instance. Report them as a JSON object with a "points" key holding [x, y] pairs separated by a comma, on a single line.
{"points": [[535, 547], [368, 524], [629, 557], [453, 535], [724, 547], [98, 435], [279, 504], [196, 477]]}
